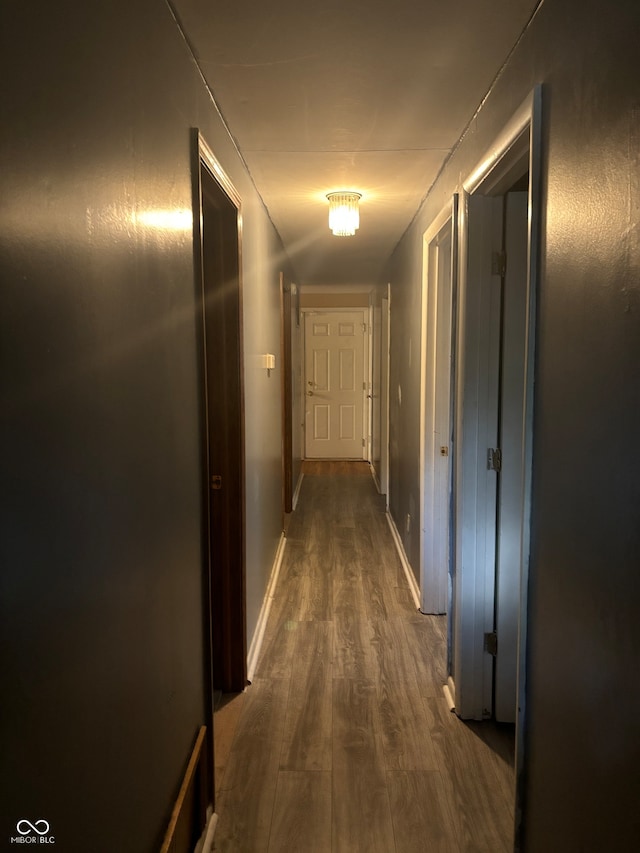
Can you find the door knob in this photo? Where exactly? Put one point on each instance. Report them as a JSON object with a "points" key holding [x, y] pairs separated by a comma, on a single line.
{"points": [[310, 393]]}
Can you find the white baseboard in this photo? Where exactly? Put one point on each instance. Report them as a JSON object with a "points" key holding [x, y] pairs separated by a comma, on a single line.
{"points": [[258, 636], [296, 494], [411, 580], [449, 694], [376, 479], [205, 844]]}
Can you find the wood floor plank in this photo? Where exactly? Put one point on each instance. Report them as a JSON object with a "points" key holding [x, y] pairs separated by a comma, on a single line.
{"points": [[302, 813], [352, 652], [225, 723], [483, 813], [406, 741], [276, 658], [361, 816], [316, 589], [427, 638], [421, 809], [377, 595], [307, 731], [346, 565], [494, 746], [375, 564], [248, 791]]}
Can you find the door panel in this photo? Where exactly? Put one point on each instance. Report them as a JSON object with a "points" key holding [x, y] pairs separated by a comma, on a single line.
{"points": [[511, 481], [320, 422], [384, 402], [375, 424], [441, 417], [477, 393], [334, 359], [436, 442], [347, 423], [489, 501], [346, 371], [225, 429], [321, 369]]}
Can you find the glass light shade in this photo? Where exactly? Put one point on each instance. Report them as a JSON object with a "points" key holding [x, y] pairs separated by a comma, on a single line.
{"points": [[344, 216]]}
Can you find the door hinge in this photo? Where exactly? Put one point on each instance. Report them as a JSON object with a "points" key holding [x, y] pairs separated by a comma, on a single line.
{"points": [[499, 263], [363, 442], [494, 459], [216, 481], [491, 643]]}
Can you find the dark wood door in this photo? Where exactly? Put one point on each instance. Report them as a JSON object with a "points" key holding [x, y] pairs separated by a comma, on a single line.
{"points": [[222, 308]]}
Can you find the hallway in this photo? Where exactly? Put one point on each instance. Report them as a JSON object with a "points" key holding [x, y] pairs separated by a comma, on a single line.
{"points": [[344, 741]]}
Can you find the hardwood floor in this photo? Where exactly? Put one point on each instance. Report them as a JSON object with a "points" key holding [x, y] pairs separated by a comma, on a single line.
{"points": [[344, 742]]}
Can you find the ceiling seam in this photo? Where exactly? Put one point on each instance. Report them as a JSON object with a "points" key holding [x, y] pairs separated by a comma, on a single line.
{"points": [[341, 150], [471, 121], [187, 41]]}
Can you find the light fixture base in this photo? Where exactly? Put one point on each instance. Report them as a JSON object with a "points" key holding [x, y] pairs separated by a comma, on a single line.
{"points": [[344, 214]]}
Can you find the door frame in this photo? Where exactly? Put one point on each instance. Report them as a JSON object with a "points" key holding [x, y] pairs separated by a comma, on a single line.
{"points": [[226, 613], [384, 394], [369, 378], [519, 141], [474, 598], [286, 314], [434, 580], [379, 385], [515, 204], [366, 369]]}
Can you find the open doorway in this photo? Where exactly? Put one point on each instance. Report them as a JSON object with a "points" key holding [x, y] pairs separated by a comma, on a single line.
{"points": [[493, 428], [436, 395], [291, 374], [287, 393], [217, 257], [379, 390]]}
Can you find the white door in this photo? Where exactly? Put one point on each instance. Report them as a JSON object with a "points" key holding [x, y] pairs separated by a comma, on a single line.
{"points": [[491, 459], [375, 352], [335, 385], [477, 395], [436, 415], [384, 401], [511, 477]]}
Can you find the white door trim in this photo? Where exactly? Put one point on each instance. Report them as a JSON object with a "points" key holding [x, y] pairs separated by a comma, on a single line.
{"points": [[384, 393], [433, 579]]}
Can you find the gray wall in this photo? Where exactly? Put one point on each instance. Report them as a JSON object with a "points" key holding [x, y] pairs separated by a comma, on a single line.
{"points": [[100, 445], [583, 703]]}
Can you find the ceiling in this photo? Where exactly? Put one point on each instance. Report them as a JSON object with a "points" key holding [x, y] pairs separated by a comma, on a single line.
{"points": [[365, 95]]}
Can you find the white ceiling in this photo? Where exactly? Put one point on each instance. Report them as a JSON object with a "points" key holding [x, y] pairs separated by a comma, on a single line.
{"points": [[363, 95]]}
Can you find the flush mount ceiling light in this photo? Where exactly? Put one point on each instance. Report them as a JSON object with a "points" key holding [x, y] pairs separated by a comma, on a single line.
{"points": [[344, 216]]}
